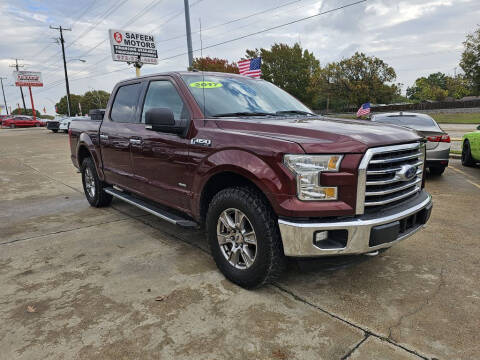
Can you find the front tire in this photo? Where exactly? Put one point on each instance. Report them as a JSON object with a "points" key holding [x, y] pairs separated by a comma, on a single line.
{"points": [[93, 186], [467, 159], [244, 238]]}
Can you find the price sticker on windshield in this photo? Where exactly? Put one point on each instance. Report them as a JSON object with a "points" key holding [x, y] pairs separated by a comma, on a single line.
{"points": [[205, 85]]}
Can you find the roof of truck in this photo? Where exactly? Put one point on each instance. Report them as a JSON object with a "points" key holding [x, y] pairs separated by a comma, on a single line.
{"points": [[180, 73]]}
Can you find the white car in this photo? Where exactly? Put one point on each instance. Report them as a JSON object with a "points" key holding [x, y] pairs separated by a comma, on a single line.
{"points": [[62, 123]]}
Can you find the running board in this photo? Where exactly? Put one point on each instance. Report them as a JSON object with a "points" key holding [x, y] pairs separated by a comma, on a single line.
{"points": [[162, 214]]}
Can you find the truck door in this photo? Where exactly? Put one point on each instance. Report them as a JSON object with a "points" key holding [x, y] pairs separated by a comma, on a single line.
{"points": [[116, 131], [160, 160]]}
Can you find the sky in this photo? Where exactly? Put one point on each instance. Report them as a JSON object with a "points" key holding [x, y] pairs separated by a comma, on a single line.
{"points": [[416, 37]]}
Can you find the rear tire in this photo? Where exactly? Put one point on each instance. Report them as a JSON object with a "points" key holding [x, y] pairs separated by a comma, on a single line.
{"points": [[467, 159], [257, 258], [437, 171], [93, 186]]}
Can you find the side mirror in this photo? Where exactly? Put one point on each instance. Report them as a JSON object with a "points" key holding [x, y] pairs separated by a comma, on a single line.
{"points": [[161, 119]]}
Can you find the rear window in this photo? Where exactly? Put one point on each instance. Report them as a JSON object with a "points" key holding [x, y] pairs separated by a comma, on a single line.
{"points": [[124, 108], [406, 120]]}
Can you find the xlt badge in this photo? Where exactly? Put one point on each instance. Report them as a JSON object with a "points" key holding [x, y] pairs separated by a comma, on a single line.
{"points": [[201, 142]]}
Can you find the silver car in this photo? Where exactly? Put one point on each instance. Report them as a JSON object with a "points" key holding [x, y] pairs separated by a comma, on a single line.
{"points": [[438, 141]]}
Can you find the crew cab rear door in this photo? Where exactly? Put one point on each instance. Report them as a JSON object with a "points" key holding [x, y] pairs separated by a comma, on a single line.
{"points": [[118, 127], [160, 159]]}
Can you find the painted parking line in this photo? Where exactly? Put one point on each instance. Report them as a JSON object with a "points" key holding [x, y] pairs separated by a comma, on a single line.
{"points": [[465, 174]]}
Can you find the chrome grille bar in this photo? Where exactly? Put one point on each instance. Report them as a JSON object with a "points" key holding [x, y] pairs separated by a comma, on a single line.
{"points": [[391, 160], [391, 190], [383, 202], [390, 170]]}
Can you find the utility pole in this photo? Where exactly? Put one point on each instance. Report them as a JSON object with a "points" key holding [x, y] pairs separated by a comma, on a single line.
{"points": [[189, 33], [62, 41], [3, 91], [16, 66]]}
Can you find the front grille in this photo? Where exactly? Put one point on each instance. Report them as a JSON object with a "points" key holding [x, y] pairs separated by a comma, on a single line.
{"points": [[382, 179]]}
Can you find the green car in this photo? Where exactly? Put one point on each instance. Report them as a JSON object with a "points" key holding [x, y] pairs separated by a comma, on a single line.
{"points": [[471, 148]]}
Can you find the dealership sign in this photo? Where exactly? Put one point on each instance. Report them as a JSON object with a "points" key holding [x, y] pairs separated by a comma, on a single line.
{"points": [[27, 78], [133, 47]]}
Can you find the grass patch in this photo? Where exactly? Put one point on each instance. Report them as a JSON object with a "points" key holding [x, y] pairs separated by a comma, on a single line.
{"points": [[458, 118]]}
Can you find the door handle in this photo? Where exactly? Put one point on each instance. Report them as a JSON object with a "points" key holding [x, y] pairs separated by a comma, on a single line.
{"points": [[135, 141], [103, 137]]}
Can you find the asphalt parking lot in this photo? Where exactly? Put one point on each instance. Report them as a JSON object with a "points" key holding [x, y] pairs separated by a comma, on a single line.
{"points": [[79, 282]]}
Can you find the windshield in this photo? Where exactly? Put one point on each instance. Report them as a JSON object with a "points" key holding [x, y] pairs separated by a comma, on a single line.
{"points": [[406, 120], [235, 95]]}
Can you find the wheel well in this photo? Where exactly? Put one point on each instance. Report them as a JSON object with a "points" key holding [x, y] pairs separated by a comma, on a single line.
{"points": [[222, 181], [82, 154]]}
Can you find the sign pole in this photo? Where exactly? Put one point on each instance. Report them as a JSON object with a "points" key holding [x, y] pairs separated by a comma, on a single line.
{"points": [[33, 106], [138, 65]]}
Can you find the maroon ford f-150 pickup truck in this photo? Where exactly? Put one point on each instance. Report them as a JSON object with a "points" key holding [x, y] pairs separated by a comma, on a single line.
{"points": [[267, 177]]}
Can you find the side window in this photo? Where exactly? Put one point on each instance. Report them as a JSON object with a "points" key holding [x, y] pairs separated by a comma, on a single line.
{"points": [[124, 106], [162, 94]]}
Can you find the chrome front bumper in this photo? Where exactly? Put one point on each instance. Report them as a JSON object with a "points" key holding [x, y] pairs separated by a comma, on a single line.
{"points": [[298, 237]]}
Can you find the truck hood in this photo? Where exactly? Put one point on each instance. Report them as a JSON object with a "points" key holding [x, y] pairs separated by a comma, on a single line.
{"points": [[324, 135]]}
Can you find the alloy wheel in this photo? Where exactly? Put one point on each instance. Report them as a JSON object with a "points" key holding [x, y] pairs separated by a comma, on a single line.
{"points": [[89, 182], [237, 238]]}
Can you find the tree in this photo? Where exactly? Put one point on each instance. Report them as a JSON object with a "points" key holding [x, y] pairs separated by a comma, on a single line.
{"points": [[438, 86], [354, 81], [95, 99], [290, 68], [214, 64], [470, 62], [62, 104]]}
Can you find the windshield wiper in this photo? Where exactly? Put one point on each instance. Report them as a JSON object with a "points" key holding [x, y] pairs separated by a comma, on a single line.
{"points": [[244, 113], [295, 112]]}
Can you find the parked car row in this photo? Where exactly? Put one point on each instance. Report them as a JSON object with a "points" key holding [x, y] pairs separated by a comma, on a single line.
{"points": [[14, 121], [62, 123]]}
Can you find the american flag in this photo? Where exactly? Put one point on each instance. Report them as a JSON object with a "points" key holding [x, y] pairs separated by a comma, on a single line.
{"points": [[250, 67], [364, 110]]}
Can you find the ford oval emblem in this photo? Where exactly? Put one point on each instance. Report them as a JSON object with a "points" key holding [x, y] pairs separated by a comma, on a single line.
{"points": [[407, 172]]}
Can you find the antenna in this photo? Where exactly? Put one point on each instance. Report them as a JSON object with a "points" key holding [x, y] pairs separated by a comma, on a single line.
{"points": [[203, 70]]}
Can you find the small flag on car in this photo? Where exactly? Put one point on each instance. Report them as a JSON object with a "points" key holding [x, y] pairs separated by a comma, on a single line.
{"points": [[250, 67], [364, 110]]}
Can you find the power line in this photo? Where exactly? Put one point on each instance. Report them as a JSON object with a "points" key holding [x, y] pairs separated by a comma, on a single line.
{"points": [[109, 12], [237, 38], [232, 21], [132, 20], [87, 9]]}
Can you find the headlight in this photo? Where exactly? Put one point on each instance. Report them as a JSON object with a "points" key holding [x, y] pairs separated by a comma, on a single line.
{"points": [[307, 169]]}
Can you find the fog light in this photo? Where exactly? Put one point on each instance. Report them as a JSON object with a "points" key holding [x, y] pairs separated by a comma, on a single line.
{"points": [[320, 236], [331, 239]]}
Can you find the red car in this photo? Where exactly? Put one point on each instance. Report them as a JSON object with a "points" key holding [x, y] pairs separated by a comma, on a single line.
{"points": [[20, 121]]}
